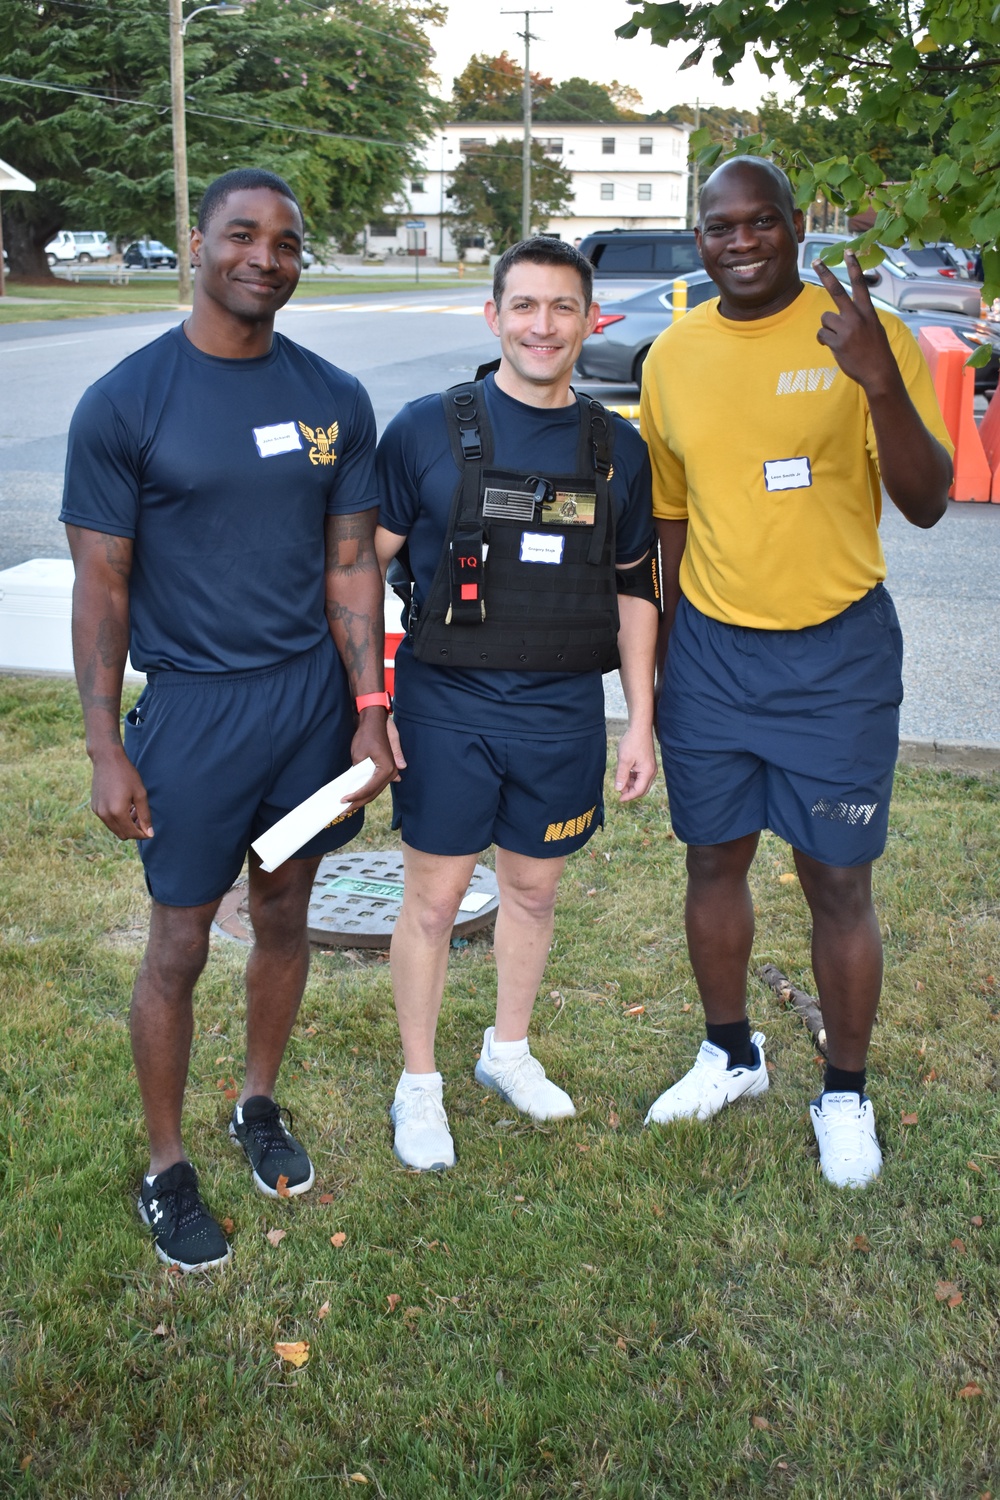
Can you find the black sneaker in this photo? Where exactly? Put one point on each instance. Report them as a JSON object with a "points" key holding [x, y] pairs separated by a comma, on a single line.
{"points": [[271, 1150], [184, 1233]]}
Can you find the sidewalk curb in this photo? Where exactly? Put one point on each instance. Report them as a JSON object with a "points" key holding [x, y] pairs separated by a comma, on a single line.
{"points": [[977, 759]]}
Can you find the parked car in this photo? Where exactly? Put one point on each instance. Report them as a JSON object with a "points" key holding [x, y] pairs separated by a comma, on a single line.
{"points": [[146, 255], [83, 246], [897, 285], [626, 329], [641, 254], [938, 259]]}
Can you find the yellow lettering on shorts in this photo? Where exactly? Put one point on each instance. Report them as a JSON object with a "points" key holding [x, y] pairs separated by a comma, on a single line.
{"points": [[571, 828]]}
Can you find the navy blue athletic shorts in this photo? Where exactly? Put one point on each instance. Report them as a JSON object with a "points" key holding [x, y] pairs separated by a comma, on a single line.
{"points": [[792, 730], [461, 792], [224, 755]]}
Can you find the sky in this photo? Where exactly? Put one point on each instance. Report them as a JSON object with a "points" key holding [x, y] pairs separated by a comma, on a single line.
{"points": [[578, 40]]}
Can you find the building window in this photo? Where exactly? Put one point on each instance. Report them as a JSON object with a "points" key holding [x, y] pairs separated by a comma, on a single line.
{"points": [[471, 144], [552, 145], [607, 191], [645, 145], [383, 228], [608, 145], [417, 187], [645, 192]]}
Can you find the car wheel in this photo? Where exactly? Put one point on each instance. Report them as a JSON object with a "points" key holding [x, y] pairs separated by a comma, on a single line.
{"points": [[640, 360], [51, 260], [84, 258]]}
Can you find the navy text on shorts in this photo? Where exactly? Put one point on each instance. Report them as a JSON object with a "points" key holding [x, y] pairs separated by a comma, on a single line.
{"points": [[792, 730], [224, 755]]}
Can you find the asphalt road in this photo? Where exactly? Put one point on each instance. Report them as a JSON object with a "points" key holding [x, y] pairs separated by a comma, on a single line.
{"points": [[946, 582]]}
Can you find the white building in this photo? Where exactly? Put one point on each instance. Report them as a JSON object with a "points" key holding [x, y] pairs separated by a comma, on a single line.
{"points": [[625, 175]]}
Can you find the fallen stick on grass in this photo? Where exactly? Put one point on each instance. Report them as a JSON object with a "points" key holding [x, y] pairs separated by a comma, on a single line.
{"points": [[806, 1007]]}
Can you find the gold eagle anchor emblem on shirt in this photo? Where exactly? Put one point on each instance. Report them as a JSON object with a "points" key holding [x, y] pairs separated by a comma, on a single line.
{"points": [[322, 440]]}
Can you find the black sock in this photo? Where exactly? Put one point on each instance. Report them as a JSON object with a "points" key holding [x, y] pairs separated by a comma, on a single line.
{"points": [[734, 1038], [840, 1081]]}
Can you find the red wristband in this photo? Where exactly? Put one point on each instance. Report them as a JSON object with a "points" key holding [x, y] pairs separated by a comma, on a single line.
{"points": [[373, 700]]}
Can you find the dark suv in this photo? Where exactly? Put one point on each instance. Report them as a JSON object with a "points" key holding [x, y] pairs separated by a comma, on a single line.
{"points": [[641, 254]]}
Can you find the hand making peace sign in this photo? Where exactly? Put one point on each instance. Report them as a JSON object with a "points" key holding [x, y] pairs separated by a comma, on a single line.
{"points": [[853, 334]]}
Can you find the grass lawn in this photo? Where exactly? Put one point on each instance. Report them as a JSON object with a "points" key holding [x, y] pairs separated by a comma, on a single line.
{"points": [[66, 299], [588, 1309]]}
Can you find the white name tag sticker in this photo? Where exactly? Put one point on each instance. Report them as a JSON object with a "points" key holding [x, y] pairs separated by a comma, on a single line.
{"points": [[537, 548], [787, 474], [283, 437]]}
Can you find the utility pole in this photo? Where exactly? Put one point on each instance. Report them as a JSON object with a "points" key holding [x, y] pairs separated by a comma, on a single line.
{"points": [[527, 38], [694, 170]]}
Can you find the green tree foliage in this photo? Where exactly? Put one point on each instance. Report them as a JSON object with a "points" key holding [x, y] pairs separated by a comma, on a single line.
{"points": [[490, 88], [908, 66], [486, 193], [724, 126], [333, 98]]}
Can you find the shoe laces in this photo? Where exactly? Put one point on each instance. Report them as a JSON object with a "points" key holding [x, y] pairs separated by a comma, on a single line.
{"points": [[183, 1201], [524, 1069], [421, 1106], [268, 1131], [842, 1130]]}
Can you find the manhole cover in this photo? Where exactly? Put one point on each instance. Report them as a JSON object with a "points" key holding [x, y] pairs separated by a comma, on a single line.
{"points": [[356, 900]]}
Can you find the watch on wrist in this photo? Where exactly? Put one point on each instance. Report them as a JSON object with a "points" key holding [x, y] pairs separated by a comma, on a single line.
{"points": [[373, 700]]}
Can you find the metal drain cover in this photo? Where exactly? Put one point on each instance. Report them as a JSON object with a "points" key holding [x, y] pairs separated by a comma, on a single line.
{"points": [[356, 900]]}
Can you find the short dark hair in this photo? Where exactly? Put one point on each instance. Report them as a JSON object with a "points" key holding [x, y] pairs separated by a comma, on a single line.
{"points": [[779, 179], [240, 180], [542, 251]]}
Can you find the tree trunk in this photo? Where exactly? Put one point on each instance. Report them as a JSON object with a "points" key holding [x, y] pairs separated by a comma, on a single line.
{"points": [[25, 242]]}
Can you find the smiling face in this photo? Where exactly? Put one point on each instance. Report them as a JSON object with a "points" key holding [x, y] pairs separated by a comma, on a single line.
{"points": [[542, 321], [249, 257], [748, 237]]}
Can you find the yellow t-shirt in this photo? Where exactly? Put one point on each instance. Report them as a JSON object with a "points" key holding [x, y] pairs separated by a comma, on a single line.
{"points": [[761, 442]]}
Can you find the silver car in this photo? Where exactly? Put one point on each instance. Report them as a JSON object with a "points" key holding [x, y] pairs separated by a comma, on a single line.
{"points": [[627, 327], [896, 284]]}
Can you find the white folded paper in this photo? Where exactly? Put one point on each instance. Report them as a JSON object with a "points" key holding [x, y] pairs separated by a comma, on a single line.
{"points": [[305, 821]]}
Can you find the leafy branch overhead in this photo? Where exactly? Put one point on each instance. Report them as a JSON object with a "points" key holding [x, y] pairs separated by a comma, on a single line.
{"points": [[928, 70]]}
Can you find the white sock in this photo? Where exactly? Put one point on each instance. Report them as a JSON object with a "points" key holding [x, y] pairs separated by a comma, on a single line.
{"points": [[505, 1050], [151, 1180], [433, 1082], [239, 1114]]}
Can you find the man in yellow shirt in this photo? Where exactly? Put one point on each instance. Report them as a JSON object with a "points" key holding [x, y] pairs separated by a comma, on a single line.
{"points": [[774, 416]]}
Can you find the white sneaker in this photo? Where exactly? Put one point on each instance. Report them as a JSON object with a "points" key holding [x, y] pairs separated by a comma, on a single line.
{"points": [[422, 1139], [849, 1154], [710, 1085], [522, 1082]]}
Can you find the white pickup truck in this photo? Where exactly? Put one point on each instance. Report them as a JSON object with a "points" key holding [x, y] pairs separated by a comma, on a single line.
{"points": [[83, 247]]}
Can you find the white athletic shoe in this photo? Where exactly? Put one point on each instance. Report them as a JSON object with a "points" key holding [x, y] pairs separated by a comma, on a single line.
{"points": [[522, 1082], [422, 1139], [710, 1085], [849, 1154]]}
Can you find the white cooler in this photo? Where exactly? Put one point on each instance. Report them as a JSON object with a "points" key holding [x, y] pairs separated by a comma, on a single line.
{"points": [[35, 605]]}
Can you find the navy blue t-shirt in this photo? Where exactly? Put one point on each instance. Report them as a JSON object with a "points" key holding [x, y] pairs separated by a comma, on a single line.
{"points": [[417, 481], [208, 465]]}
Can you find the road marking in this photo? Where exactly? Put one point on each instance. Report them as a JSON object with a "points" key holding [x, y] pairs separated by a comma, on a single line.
{"points": [[43, 344], [454, 309]]}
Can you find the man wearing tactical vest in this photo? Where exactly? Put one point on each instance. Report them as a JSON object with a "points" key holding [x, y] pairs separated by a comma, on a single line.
{"points": [[522, 514]]}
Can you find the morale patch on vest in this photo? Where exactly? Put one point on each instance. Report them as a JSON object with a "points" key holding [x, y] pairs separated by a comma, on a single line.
{"points": [[787, 474], [536, 548], [570, 508], [283, 437], [798, 382], [844, 812], [509, 505], [569, 830]]}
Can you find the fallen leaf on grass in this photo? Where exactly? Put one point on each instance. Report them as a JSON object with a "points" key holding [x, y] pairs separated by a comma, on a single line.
{"points": [[930, 1077], [281, 1186], [232, 1095], [338, 1240], [325, 1198], [657, 1211], [309, 1031], [955, 1299], [518, 1197], [276, 1235], [977, 1219], [781, 1466], [583, 1148], [958, 1245], [635, 1010], [686, 1006], [295, 1354], [860, 1242], [972, 1389], [160, 1331], [944, 1290], [25, 1463], [393, 1299], [620, 1342], [908, 1119], [787, 879], [973, 1166], [761, 1423], [592, 891], [613, 1119], [359, 1478], [324, 1310], [227, 1226]]}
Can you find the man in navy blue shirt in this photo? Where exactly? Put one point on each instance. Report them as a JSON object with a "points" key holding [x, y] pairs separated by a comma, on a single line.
{"points": [[498, 753], [220, 504]]}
